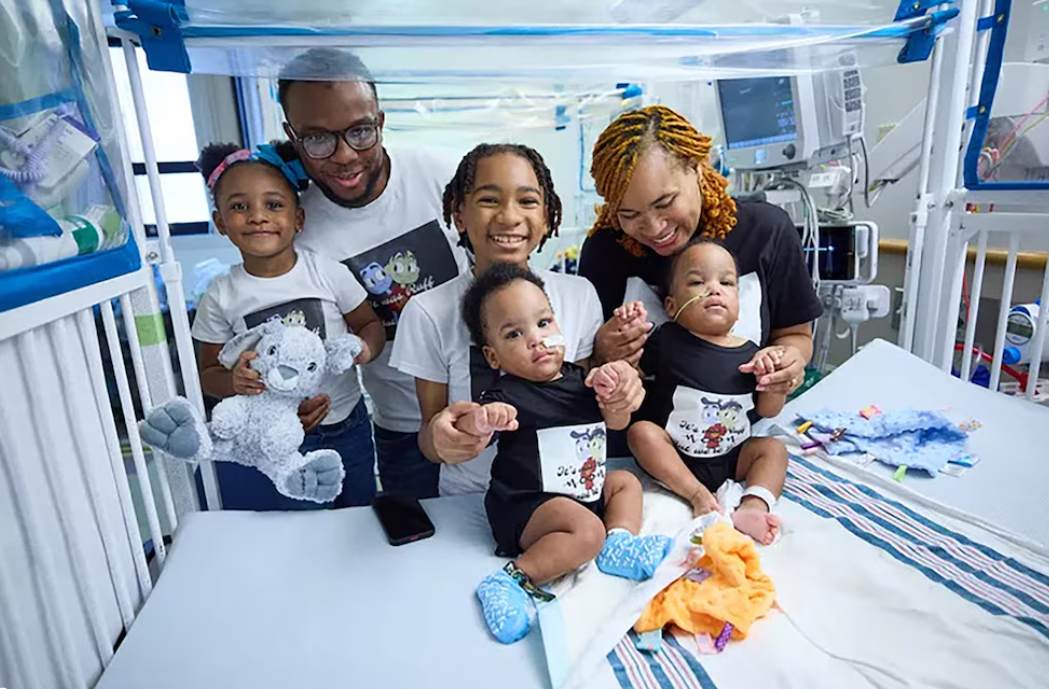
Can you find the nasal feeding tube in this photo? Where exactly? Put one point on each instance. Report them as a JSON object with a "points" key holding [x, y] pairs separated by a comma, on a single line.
{"points": [[702, 295]]}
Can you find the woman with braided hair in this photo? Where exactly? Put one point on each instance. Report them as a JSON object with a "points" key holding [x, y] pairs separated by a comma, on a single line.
{"points": [[651, 167]]}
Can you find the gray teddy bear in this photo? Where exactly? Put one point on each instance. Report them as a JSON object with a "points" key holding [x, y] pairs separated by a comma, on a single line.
{"points": [[263, 431]]}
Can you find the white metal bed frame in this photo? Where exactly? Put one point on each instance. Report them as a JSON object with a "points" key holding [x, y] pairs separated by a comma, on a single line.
{"points": [[940, 234], [941, 227]]}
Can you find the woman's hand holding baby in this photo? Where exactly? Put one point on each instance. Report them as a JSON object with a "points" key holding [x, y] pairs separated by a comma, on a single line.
{"points": [[623, 337], [779, 369]]}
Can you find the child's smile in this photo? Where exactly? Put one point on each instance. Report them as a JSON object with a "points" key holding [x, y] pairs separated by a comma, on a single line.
{"points": [[258, 211]]}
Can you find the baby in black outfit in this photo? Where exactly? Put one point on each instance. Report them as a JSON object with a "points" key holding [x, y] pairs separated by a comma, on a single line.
{"points": [[696, 432], [551, 505]]}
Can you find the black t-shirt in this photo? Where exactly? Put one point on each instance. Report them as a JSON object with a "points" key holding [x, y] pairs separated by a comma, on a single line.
{"points": [[559, 446], [697, 392], [766, 245]]}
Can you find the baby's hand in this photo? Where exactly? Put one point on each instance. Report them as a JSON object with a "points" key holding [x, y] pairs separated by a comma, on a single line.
{"points": [[616, 379], [603, 379], [631, 311], [487, 419], [246, 380], [766, 361]]}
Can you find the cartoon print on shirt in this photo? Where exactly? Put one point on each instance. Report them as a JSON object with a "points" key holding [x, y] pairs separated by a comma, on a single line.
{"points": [[572, 460], [403, 269], [393, 272], [309, 313], [705, 424], [711, 409], [294, 318], [590, 448], [375, 279], [731, 415]]}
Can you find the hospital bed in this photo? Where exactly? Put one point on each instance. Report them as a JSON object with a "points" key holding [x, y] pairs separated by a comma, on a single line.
{"points": [[255, 600], [296, 600]]}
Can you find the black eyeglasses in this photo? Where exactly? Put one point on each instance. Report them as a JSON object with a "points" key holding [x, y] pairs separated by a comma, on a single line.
{"points": [[359, 137]]}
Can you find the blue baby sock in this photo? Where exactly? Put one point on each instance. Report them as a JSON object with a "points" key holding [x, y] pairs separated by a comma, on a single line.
{"points": [[633, 557], [507, 607]]}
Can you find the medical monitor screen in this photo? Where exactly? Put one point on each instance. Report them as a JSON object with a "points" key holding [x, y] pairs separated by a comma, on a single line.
{"points": [[757, 112]]}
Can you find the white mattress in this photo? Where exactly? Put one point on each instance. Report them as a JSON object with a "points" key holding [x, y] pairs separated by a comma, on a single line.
{"points": [[275, 601], [1007, 487]]}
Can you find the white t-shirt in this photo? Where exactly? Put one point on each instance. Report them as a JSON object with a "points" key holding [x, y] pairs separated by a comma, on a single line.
{"points": [[435, 345], [316, 292], [396, 246]]}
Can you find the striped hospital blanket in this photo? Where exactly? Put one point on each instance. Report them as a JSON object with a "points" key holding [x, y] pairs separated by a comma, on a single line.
{"points": [[876, 590]]}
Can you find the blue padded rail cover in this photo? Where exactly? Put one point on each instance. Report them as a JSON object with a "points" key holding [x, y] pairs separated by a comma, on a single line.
{"points": [[27, 285]]}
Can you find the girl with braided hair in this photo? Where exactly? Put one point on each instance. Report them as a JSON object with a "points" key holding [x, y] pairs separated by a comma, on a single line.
{"points": [[503, 204], [652, 168]]}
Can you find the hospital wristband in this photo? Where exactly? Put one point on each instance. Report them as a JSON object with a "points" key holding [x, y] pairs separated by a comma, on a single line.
{"points": [[763, 494]]}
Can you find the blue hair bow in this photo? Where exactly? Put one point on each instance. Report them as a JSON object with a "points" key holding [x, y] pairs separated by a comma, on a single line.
{"points": [[293, 170]]}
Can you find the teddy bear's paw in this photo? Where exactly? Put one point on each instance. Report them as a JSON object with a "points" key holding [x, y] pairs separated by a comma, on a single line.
{"points": [[174, 428], [319, 479]]}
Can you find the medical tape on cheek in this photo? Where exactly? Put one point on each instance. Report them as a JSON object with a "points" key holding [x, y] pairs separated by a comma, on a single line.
{"points": [[553, 341]]}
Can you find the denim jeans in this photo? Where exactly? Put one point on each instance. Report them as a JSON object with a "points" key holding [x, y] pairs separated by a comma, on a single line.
{"points": [[245, 488], [403, 468]]}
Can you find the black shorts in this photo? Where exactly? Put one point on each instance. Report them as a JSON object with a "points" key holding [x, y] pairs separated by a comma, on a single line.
{"points": [[508, 516], [714, 471]]}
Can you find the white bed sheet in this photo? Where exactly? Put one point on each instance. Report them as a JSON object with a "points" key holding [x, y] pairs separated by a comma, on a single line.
{"points": [[273, 601], [1007, 487], [345, 607]]}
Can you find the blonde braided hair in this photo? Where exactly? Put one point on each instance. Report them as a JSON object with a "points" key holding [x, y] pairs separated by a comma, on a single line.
{"points": [[616, 154]]}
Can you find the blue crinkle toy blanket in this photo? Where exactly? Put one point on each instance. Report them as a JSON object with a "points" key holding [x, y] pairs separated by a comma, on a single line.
{"points": [[919, 439]]}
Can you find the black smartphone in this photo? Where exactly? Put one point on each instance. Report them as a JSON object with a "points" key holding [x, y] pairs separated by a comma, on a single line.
{"points": [[403, 519]]}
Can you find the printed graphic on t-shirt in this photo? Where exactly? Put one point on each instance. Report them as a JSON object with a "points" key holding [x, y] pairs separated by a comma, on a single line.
{"points": [[404, 266], [308, 313], [572, 460], [705, 424], [482, 376]]}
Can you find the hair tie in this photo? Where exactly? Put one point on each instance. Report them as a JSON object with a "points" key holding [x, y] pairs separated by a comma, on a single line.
{"points": [[235, 157]]}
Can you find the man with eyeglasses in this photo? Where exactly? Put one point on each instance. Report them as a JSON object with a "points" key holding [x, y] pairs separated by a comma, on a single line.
{"points": [[379, 212]]}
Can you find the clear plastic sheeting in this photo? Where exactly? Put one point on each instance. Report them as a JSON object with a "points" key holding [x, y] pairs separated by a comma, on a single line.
{"points": [[629, 40], [62, 180], [1014, 148], [324, 14], [520, 108]]}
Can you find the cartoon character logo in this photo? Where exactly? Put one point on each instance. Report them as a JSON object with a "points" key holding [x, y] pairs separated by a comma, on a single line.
{"points": [[376, 280], [597, 444], [713, 435], [294, 318], [403, 268], [590, 448], [731, 415], [711, 410]]}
